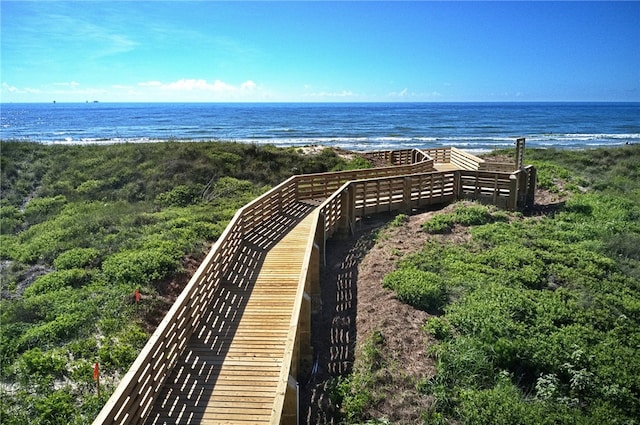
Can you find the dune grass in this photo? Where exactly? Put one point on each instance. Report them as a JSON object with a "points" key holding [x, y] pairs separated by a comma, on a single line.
{"points": [[540, 323], [81, 229]]}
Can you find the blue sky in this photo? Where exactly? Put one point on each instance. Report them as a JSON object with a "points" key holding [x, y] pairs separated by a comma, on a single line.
{"points": [[209, 51]]}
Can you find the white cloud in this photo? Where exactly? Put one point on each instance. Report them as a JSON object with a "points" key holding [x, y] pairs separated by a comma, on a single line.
{"points": [[181, 90], [67, 84], [402, 93], [248, 85], [192, 84], [341, 94], [7, 87], [150, 84]]}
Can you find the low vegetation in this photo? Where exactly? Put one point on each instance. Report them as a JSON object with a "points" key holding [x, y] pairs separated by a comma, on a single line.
{"points": [[534, 319], [81, 229]]}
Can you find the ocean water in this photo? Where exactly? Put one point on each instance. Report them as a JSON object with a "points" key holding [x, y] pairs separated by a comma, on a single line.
{"points": [[376, 126]]}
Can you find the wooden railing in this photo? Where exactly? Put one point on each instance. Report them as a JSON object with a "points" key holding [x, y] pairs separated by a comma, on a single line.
{"points": [[439, 155], [133, 398], [398, 157], [346, 196], [498, 167], [299, 335], [322, 185], [361, 198]]}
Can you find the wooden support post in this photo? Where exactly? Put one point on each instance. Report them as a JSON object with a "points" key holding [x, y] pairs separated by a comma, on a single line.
{"points": [[351, 206], [531, 186], [476, 192], [457, 184], [520, 153], [512, 202], [290, 407], [406, 196], [523, 180], [314, 279], [321, 238], [345, 216], [306, 350]]}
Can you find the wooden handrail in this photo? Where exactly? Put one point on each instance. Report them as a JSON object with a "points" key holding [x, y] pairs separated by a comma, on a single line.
{"points": [[439, 155], [465, 160], [498, 167], [135, 394], [292, 346]]}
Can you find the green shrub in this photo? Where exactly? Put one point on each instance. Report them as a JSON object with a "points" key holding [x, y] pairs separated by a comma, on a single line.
{"points": [[36, 366], [420, 289], [62, 327], [439, 223], [8, 247], [40, 209], [439, 328], [181, 195], [92, 188], [122, 349], [226, 187], [472, 215], [464, 362], [465, 215], [57, 280], [56, 408], [357, 163], [10, 219], [624, 245], [137, 267], [399, 220], [76, 258]]}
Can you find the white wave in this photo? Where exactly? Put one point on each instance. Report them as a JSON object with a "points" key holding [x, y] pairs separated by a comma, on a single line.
{"points": [[582, 137], [391, 139]]}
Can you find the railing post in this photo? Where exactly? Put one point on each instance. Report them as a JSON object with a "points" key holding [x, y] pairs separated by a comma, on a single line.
{"points": [[520, 152], [296, 193], [406, 195], [457, 184], [512, 202], [306, 351], [523, 180], [347, 209], [290, 407], [532, 175]]}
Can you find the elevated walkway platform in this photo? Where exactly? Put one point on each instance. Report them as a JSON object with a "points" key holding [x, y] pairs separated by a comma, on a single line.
{"points": [[234, 343], [230, 370]]}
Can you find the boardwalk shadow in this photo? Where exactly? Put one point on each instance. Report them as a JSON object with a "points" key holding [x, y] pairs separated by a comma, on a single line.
{"points": [[334, 328], [184, 397]]}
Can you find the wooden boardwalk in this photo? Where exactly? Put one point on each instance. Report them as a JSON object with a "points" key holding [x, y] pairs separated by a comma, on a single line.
{"points": [[237, 339], [230, 370]]}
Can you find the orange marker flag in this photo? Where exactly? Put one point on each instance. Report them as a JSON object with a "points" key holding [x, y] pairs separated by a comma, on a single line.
{"points": [[137, 296], [96, 376]]}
